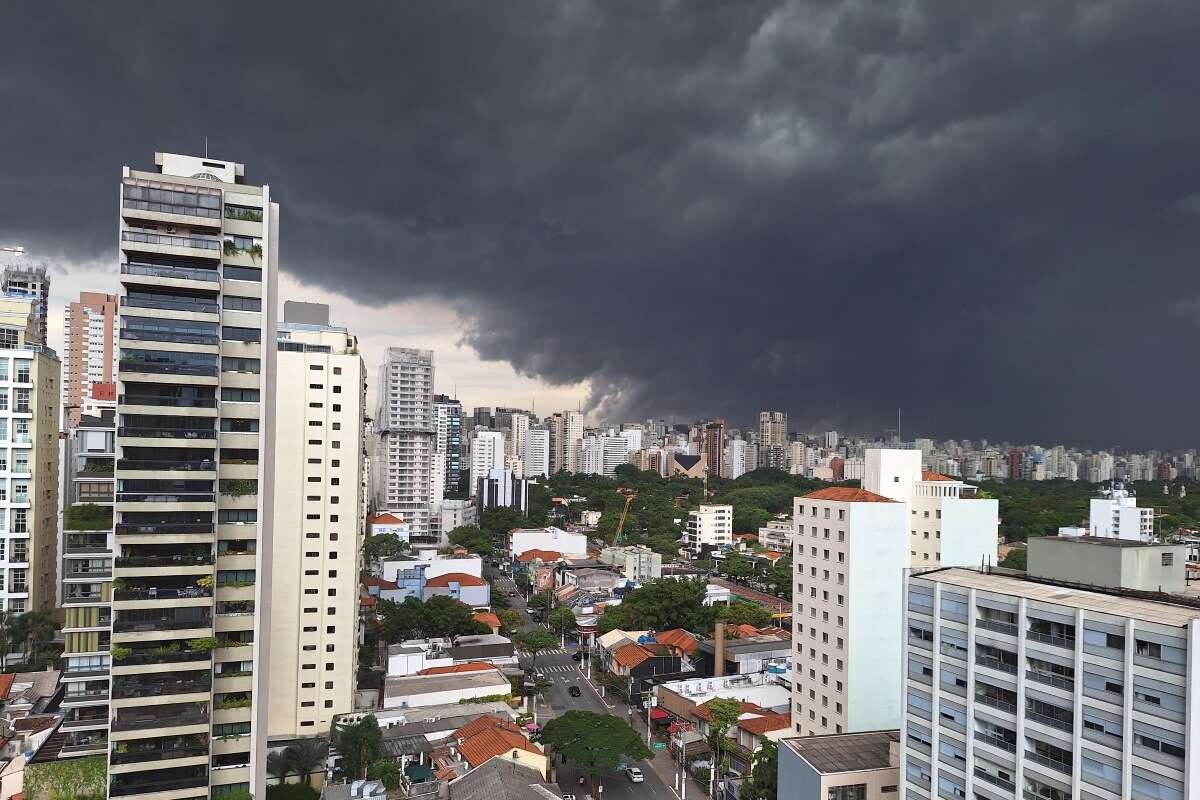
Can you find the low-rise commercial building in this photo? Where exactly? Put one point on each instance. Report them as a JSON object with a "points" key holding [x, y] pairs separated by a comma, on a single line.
{"points": [[638, 563], [570, 545], [405, 691], [846, 766]]}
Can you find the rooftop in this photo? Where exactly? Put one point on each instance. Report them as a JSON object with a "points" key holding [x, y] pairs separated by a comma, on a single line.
{"points": [[453, 669], [400, 685], [461, 578], [488, 736], [936, 476], [1164, 609], [544, 555], [846, 494], [385, 519], [502, 779], [845, 752], [1103, 541]]}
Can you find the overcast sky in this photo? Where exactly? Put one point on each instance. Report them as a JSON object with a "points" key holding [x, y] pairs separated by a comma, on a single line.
{"points": [[983, 213]]}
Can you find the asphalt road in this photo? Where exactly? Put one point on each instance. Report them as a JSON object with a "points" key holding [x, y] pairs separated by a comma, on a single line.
{"points": [[562, 672]]}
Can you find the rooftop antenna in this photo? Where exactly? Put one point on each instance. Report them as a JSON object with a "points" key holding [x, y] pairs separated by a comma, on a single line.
{"points": [[899, 437], [206, 147]]}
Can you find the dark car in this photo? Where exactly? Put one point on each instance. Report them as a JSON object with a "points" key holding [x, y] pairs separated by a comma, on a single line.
{"points": [[573, 691], [577, 656]]}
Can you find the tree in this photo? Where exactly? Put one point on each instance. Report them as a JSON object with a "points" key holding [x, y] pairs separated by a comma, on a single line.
{"points": [[522, 580], [383, 546], [750, 518], [561, 619], [497, 522], [33, 630], [594, 742], [510, 620], [725, 712], [1017, 558], [278, 766], [307, 756], [780, 577], [736, 566], [665, 603], [538, 640], [473, 539], [386, 772], [743, 613], [358, 744], [440, 616], [614, 618], [763, 781]]}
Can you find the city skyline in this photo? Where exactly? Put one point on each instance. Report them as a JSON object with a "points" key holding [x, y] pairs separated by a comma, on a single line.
{"points": [[929, 189]]}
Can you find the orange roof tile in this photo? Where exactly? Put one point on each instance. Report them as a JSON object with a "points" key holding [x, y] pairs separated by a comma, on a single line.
{"points": [[847, 494], [544, 555], [935, 476], [375, 580], [763, 723], [703, 713], [6, 682], [367, 601], [489, 736], [746, 536], [631, 655], [487, 618], [385, 519], [470, 666], [774, 555], [461, 578], [677, 638]]}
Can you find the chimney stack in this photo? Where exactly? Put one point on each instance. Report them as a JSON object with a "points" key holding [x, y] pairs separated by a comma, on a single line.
{"points": [[719, 649]]}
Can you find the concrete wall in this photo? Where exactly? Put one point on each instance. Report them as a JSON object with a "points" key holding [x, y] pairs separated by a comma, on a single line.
{"points": [[1108, 565], [970, 530], [797, 779], [892, 473]]}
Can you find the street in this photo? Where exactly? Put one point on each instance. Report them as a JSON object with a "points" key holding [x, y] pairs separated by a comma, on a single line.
{"points": [[562, 672]]}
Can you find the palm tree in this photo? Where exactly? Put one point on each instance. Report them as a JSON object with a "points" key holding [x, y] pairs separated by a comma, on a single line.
{"points": [[278, 765], [307, 756], [41, 630], [6, 621]]}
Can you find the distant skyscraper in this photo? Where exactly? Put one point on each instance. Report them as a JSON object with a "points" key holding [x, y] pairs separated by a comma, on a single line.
{"points": [[537, 453], [487, 454], [405, 421], [448, 445], [566, 441], [714, 447], [482, 418], [735, 454], [89, 349], [28, 280]]}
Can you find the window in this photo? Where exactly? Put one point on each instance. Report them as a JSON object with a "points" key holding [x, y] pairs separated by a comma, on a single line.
{"points": [[232, 302], [236, 273], [239, 395], [251, 365], [237, 515], [230, 333], [1168, 559], [237, 425]]}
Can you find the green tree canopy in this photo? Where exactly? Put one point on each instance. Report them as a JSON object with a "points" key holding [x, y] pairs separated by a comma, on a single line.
{"points": [[383, 546], [358, 744], [763, 781], [1017, 558], [740, 612], [510, 620], [736, 566], [667, 603], [594, 742], [561, 619], [473, 539], [439, 616], [538, 640], [725, 712]]}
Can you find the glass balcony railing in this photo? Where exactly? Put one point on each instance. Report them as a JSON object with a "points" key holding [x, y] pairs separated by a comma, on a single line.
{"points": [[166, 433], [166, 271], [182, 497], [164, 527], [164, 368], [197, 305], [167, 240], [203, 465]]}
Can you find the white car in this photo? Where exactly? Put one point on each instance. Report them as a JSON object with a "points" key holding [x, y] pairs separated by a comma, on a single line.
{"points": [[634, 774]]}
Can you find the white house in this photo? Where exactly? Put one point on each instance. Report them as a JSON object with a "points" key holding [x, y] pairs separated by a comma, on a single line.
{"points": [[569, 545], [435, 564]]}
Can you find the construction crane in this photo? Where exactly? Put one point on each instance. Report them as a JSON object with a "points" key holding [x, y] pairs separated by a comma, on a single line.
{"points": [[630, 496]]}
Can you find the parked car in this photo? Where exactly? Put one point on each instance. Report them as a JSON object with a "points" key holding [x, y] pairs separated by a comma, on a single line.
{"points": [[573, 691], [634, 774], [577, 655]]}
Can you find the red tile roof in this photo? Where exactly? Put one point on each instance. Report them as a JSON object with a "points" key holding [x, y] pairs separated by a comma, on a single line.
{"points": [[34, 724], [846, 494], [375, 580], [490, 736], [773, 555], [745, 536], [631, 655], [679, 639], [470, 666], [461, 578], [935, 476], [703, 713], [544, 555], [487, 618], [6, 682], [367, 601], [763, 723], [385, 519]]}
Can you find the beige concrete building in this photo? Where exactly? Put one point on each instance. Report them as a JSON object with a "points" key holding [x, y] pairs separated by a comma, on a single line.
{"points": [[90, 349], [848, 766], [320, 515], [195, 466], [29, 426]]}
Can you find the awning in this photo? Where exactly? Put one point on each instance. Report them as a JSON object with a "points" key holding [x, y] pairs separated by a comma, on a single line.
{"points": [[658, 714]]}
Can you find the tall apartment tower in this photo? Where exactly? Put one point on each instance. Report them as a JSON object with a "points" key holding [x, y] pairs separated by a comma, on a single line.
{"points": [[850, 550], [448, 444], [566, 441], [320, 513], [487, 454], [29, 426], [32, 281], [537, 453], [405, 420], [192, 596], [1030, 688], [772, 439], [89, 349], [87, 563], [714, 448]]}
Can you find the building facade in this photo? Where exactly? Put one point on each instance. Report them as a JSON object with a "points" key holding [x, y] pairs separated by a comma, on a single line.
{"points": [[448, 444], [192, 594], [405, 423], [21, 279], [710, 527], [320, 511], [850, 549], [1016, 688], [487, 454], [89, 349], [537, 453]]}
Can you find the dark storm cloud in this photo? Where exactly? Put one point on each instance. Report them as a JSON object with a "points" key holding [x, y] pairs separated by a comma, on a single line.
{"points": [[984, 213]]}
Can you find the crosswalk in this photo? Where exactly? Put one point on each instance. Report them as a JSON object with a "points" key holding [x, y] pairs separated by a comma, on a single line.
{"points": [[559, 668]]}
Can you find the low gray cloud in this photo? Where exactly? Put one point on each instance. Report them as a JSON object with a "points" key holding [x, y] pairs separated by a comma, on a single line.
{"points": [[977, 212]]}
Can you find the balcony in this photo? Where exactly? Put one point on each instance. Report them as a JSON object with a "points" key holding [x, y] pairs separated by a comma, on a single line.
{"points": [[996, 741], [1053, 763], [997, 703], [135, 783], [176, 560], [167, 271], [995, 663], [161, 593], [160, 716], [1006, 628], [166, 368], [196, 306], [995, 780], [123, 690], [183, 497], [158, 465], [131, 529], [167, 401], [1050, 680], [166, 433], [151, 626], [85, 698], [142, 755], [161, 656], [83, 599], [167, 240]]}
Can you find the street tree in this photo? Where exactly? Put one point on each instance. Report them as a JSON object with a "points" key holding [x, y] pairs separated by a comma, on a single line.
{"points": [[538, 640], [743, 613], [736, 566], [358, 745], [383, 546], [763, 781], [510, 620], [474, 539], [725, 712], [594, 742], [561, 619]]}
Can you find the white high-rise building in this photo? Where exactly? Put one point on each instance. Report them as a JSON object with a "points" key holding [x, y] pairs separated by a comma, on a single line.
{"points": [[487, 454], [404, 420], [320, 512], [850, 550], [735, 455], [1018, 688], [195, 475], [1116, 515], [514, 437], [537, 453], [601, 455], [797, 459], [710, 527], [633, 439], [566, 441], [948, 524]]}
